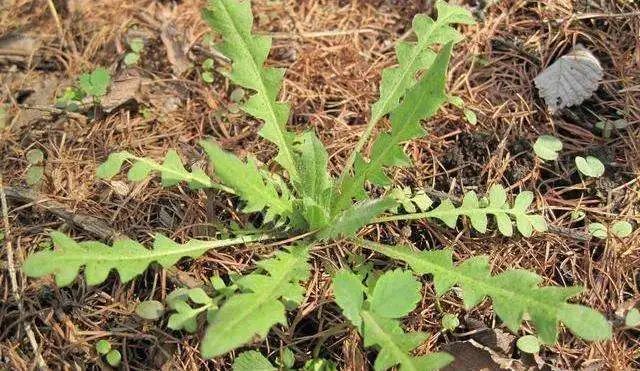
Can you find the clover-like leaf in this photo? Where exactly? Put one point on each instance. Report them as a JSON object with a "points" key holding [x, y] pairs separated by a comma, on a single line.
{"points": [[621, 229], [590, 166], [546, 147], [528, 344]]}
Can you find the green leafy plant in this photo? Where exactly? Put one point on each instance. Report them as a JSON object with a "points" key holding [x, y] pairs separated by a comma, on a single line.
{"points": [[632, 319], [450, 322], [590, 166], [133, 57], [303, 200], [619, 229], [95, 84], [394, 295]]}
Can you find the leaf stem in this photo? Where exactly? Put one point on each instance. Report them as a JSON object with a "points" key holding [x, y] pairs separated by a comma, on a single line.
{"points": [[435, 213]]}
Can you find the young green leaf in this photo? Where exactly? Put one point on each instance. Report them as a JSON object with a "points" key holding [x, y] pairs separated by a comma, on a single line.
{"points": [[128, 257], [171, 171], [621, 229], [252, 360], [632, 319], [450, 322], [497, 206], [35, 156], [113, 358], [394, 295], [421, 101], [136, 44], [131, 59], [186, 316], [34, 175], [96, 83], [349, 295], [254, 311], [259, 192], [233, 19], [514, 293], [590, 166], [103, 347], [150, 310], [546, 147], [528, 344], [597, 230]]}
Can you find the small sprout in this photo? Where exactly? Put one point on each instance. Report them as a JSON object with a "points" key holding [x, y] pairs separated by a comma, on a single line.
{"points": [[528, 344], [114, 358], [287, 358], [131, 59], [150, 310], [577, 215], [547, 147], [70, 99], [136, 44], [450, 322], [632, 319], [590, 166], [34, 175], [621, 229], [607, 126], [95, 84], [207, 70], [597, 230], [146, 113], [35, 156], [470, 116], [320, 365], [103, 347], [237, 94]]}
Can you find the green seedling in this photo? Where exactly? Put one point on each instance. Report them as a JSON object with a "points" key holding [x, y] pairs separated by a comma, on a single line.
{"points": [[302, 199], [207, 70], [133, 57], [590, 166], [547, 147]]}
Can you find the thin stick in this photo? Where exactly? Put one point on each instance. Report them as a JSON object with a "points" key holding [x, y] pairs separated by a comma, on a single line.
{"points": [[14, 281], [56, 18]]}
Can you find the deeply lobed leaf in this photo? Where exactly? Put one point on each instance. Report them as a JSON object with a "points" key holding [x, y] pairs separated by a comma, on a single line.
{"points": [[394, 295], [258, 191], [129, 258], [172, 171], [514, 293], [233, 20], [421, 101], [260, 305]]}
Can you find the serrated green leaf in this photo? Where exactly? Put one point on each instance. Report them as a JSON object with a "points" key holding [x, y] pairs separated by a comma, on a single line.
{"points": [[128, 257], [252, 361], [546, 147], [234, 20], [395, 294], [590, 166], [254, 311], [514, 293], [496, 206], [259, 192], [315, 182], [171, 171], [349, 295], [421, 101], [96, 83], [349, 221], [395, 345]]}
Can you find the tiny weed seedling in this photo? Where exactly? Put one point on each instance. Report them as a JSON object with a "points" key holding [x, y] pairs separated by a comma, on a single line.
{"points": [[133, 57], [590, 166], [304, 199], [547, 147], [93, 85], [112, 356], [207, 71]]}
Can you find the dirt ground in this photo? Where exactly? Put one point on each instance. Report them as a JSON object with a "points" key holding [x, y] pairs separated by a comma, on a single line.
{"points": [[334, 52]]}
